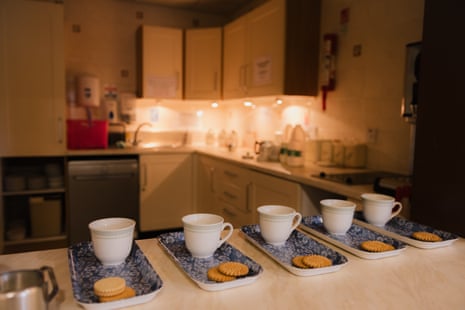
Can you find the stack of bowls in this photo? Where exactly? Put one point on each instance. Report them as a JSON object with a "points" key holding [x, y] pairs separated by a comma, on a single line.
{"points": [[15, 183], [35, 182], [54, 175]]}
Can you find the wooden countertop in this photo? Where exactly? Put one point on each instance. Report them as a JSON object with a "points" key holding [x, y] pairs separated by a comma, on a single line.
{"points": [[415, 279]]}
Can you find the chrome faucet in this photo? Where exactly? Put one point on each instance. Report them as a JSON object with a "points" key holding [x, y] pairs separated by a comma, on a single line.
{"points": [[135, 142]]}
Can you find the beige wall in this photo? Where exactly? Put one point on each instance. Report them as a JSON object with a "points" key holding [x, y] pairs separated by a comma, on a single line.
{"points": [[368, 92], [370, 87]]}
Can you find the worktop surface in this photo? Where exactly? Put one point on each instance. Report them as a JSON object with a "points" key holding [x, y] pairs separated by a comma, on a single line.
{"points": [[414, 279], [303, 175]]}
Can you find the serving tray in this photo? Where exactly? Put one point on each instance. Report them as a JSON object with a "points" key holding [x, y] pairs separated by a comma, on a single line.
{"points": [[297, 244], [352, 239], [197, 268], [85, 269], [402, 229]]}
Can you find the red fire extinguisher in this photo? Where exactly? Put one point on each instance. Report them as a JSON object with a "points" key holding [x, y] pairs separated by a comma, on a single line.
{"points": [[329, 65]]}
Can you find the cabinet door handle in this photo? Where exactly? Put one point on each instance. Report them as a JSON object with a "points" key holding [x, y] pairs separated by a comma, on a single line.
{"points": [[243, 78], [229, 213], [230, 174], [212, 180], [60, 130], [248, 191], [144, 177], [229, 195], [215, 81]]}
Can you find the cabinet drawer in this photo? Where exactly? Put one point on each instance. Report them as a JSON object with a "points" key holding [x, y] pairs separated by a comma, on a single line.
{"points": [[233, 195], [236, 217], [235, 175]]}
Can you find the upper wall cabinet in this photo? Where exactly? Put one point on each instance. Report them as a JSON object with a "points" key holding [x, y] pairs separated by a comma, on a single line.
{"points": [[203, 55], [161, 61], [273, 50], [32, 78]]}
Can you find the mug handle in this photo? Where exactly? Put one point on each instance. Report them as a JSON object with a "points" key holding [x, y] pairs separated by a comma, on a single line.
{"points": [[394, 210], [231, 229], [52, 278], [297, 219]]}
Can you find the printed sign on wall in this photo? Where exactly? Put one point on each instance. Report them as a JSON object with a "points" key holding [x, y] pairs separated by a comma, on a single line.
{"points": [[262, 74], [161, 87]]}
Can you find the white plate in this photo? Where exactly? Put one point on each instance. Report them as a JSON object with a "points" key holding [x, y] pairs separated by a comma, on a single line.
{"points": [[352, 239], [402, 229], [297, 244], [197, 268]]}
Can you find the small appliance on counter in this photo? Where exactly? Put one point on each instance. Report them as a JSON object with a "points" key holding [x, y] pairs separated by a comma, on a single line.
{"points": [[116, 134], [395, 186], [355, 155], [87, 134], [266, 151]]}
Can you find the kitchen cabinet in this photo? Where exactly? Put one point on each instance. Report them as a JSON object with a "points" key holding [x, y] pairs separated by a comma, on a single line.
{"points": [[166, 190], [203, 60], [222, 188], [266, 190], [234, 59], [161, 62], [206, 184], [33, 200], [235, 192], [32, 78], [267, 53]]}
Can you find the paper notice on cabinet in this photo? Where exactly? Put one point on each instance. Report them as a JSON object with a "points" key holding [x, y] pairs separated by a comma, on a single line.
{"points": [[262, 71], [161, 87]]}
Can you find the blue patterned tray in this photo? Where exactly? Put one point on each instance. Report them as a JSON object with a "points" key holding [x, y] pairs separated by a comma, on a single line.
{"points": [[297, 244], [402, 229], [196, 268], [85, 269], [352, 239]]}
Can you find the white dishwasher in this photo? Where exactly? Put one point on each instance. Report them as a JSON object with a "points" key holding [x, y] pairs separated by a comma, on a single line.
{"points": [[99, 188]]}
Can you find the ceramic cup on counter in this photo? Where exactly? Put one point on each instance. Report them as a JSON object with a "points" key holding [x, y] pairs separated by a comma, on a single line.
{"points": [[337, 215], [112, 239], [378, 209], [203, 233], [277, 223]]}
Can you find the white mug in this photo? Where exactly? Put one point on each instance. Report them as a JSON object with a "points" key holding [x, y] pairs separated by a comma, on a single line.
{"points": [[378, 209], [112, 239], [202, 233], [337, 215], [277, 223]]}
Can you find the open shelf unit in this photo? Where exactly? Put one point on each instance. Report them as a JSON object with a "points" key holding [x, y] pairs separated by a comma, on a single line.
{"points": [[33, 199]]}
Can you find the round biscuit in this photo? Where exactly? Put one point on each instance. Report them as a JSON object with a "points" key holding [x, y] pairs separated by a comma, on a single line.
{"points": [[214, 274], [234, 269], [127, 293], [297, 261], [376, 246], [316, 261], [426, 236], [109, 286]]}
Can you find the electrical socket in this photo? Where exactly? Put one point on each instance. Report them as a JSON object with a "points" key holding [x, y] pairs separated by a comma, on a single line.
{"points": [[372, 135]]}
